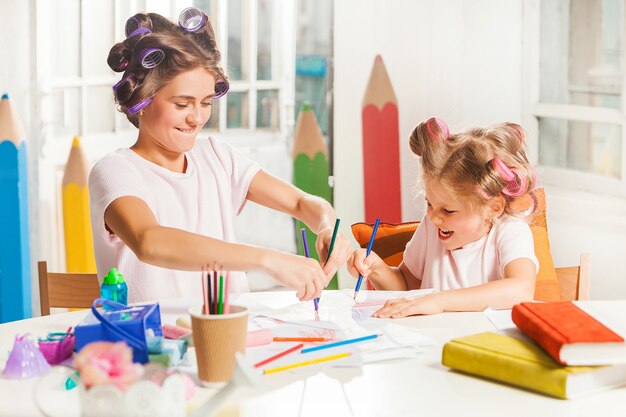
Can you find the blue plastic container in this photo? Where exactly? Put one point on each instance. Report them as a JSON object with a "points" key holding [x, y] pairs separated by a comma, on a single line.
{"points": [[114, 287], [118, 322]]}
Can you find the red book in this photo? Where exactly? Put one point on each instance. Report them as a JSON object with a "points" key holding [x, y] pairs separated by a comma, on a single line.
{"points": [[585, 333]]}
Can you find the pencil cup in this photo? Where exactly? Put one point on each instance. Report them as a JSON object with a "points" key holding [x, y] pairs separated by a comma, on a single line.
{"points": [[217, 337]]}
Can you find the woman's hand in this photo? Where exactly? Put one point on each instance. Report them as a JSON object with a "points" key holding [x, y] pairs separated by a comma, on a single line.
{"points": [[360, 264], [339, 255], [403, 307], [305, 275]]}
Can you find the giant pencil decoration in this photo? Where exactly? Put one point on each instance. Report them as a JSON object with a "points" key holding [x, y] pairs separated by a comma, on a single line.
{"points": [[15, 283], [381, 153], [79, 255], [310, 167]]}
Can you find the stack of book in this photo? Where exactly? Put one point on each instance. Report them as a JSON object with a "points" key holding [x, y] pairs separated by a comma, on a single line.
{"points": [[564, 349]]}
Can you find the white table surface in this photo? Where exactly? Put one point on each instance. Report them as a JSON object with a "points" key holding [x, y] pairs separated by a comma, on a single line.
{"points": [[403, 387]]}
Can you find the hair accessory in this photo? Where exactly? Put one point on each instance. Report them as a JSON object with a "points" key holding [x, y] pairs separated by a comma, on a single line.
{"points": [[151, 57], [221, 88], [192, 19], [137, 107], [443, 127], [133, 28], [139, 31], [122, 81], [513, 187]]}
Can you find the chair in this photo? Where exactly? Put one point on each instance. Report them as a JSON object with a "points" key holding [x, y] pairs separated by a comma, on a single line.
{"points": [[574, 280], [66, 290]]}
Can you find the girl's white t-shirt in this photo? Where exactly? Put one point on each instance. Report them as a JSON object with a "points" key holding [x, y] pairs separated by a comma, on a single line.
{"points": [[202, 200], [474, 264]]}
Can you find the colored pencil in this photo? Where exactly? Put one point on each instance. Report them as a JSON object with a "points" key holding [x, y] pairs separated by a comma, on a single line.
{"points": [[381, 147], [305, 246], [332, 241], [79, 253], [330, 250], [367, 253], [307, 363], [220, 301], [279, 355], [226, 291], [205, 293], [340, 343], [215, 290], [311, 166], [15, 277], [301, 339], [210, 292]]}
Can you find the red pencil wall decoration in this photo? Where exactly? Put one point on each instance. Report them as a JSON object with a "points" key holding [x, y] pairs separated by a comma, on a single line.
{"points": [[381, 152]]}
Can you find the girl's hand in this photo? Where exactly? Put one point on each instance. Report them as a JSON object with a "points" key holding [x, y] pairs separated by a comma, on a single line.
{"points": [[339, 256], [305, 275], [403, 307], [359, 264]]}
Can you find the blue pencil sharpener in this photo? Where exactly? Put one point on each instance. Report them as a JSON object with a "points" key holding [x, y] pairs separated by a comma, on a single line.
{"points": [[117, 322]]}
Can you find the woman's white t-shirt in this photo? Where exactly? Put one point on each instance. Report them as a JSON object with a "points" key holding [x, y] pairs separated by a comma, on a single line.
{"points": [[202, 200]]}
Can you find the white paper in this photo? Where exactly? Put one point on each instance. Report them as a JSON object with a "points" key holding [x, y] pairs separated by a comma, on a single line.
{"points": [[501, 319]]}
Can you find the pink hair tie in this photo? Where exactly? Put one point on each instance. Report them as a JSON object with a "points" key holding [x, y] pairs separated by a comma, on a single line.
{"points": [[513, 188], [440, 124]]}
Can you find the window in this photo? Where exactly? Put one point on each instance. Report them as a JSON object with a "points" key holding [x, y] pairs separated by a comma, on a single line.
{"points": [[248, 34], [577, 47]]}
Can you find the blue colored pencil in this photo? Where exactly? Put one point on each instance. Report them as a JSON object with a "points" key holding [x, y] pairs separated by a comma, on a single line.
{"points": [[340, 343], [15, 284], [330, 249], [369, 249], [305, 245]]}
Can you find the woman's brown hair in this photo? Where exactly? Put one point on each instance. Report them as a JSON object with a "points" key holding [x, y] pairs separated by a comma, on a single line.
{"points": [[182, 50]]}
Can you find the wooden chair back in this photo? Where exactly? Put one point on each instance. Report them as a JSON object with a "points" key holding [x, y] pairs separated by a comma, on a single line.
{"points": [[66, 290], [574, 280]]}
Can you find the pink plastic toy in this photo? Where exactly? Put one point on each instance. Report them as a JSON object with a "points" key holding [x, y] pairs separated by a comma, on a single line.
{"points": [[25, 360], [56, 351]]}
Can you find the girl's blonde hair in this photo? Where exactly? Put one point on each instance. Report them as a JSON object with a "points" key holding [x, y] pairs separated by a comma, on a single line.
{"points": [[476, 164]]}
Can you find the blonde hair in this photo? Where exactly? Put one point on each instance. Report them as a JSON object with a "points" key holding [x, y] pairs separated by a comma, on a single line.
{"points": [[476, 164]]}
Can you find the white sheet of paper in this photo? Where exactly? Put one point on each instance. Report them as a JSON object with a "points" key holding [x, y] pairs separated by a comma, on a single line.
{"points": [[501, 319]]}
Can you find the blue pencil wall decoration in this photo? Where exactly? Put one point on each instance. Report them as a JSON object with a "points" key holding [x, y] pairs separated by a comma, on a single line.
{"points": [[15, 281]]}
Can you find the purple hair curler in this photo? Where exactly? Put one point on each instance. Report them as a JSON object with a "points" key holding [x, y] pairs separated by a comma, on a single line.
{"points": [[139, 31], [221, 88], [192, 19], [151, 57], [122, 81], [137, 107], [132, 24], [25, 360]]}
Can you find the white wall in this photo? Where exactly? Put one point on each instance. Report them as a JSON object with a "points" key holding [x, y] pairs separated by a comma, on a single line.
{"points": [[459, 60]]}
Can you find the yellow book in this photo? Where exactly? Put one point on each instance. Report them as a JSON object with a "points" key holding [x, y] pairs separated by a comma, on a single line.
{"points": [[522, 363]]}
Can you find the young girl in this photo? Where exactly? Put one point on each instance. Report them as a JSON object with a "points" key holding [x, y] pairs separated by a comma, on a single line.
{"points": [[163, 209], [471, 247]]}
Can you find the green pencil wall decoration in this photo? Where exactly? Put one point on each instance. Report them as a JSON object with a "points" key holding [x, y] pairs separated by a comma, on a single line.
{"points": [[310, 167]]}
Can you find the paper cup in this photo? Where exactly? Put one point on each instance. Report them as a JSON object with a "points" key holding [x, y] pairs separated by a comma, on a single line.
{"points": [[217, 337]]}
